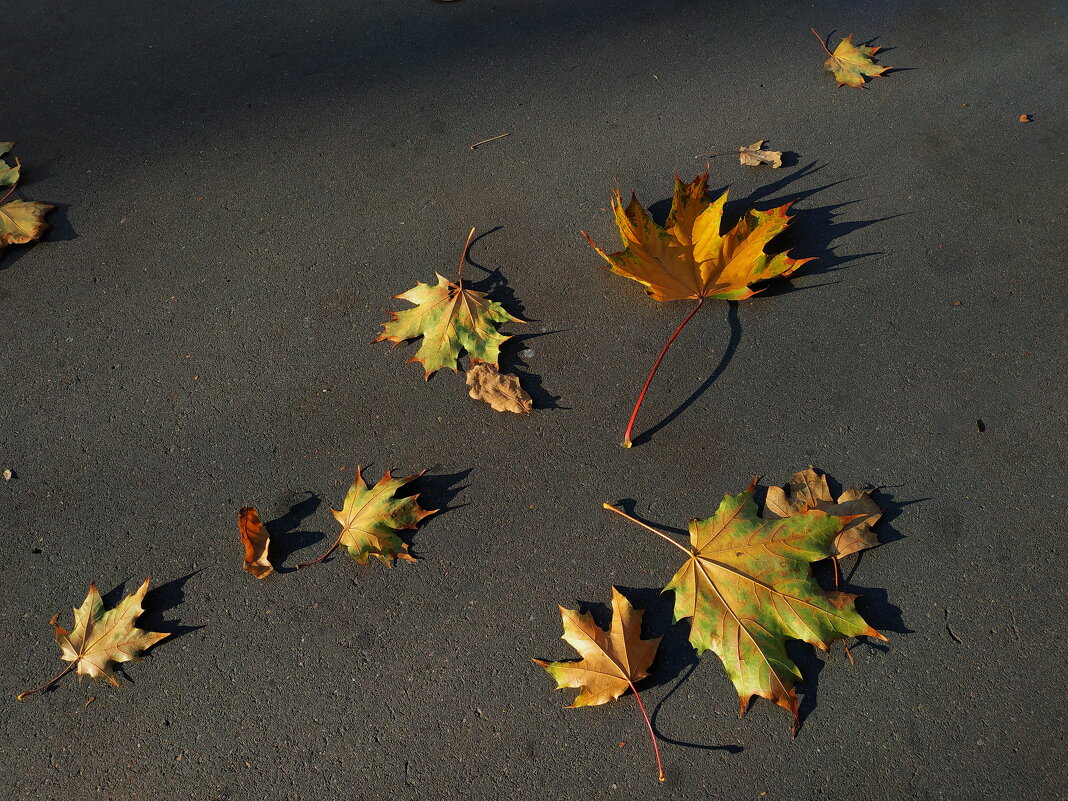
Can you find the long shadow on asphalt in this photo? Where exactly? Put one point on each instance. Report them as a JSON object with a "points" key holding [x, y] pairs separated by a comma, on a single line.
{"points": [[284, 534]]}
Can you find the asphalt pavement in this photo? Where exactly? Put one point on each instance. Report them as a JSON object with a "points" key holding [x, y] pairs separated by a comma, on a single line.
{"points": [[241, 188]]}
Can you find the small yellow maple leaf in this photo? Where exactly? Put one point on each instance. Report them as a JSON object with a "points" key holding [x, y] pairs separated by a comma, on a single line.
{"points": [[612, 661], [851, 63], [370, 518], [100, 638]]}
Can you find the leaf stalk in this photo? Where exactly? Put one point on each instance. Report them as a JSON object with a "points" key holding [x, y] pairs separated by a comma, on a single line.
{"points": [[822, 42], [647, 527], [463, 258], [333, 547], [641, 396], [652, 734], [49, 683]]}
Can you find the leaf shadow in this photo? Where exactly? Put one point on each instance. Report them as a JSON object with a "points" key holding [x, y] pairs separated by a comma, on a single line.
{"points": [[163, 599], [284, 534], [872, 603], [496, 286], [435, 492], [734, 324], [813, 232], [512, 361]]}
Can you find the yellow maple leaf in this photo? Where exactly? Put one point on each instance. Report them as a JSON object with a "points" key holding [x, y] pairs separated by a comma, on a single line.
{"points": [[101, 637]]}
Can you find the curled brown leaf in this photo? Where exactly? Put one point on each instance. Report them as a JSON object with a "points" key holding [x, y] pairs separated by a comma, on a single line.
{"points": [[500, 390], [256, 541]]}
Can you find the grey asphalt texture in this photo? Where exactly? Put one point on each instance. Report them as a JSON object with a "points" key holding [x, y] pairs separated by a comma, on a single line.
{"points": [[242, 186]]}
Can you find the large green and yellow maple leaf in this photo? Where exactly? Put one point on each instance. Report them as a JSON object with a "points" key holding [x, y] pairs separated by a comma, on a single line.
{"points": [[451, 320], [747, 589], [694, 256], [851, 64]]}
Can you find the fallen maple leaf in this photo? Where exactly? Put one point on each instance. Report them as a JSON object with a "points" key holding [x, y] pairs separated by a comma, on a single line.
{"points": [[499, 390], [21, 221], [256, 541], [611, 660], [809, 490], [450, 319], [8, 174], [851, 63], [101, 637], [690, 258], [747, 588], [754, 155], [371, 517]]}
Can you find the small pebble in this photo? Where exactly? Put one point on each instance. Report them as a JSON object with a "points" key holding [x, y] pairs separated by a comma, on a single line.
{"points": [[8, 474]]}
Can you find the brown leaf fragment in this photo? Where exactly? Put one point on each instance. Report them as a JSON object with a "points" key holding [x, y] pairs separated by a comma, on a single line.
{"points": [[1026, 118], [754, 155], [809, 490], [500, 390], [256, 541]]}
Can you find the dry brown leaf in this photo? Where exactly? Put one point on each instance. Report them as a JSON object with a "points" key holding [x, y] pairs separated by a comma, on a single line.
{"points": [[1026, 118], [754, 155], [809, 490], [500, 390], [256, 541]]}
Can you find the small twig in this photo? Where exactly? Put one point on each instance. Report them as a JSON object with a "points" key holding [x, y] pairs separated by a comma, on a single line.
{"points": [[491, 139], [91, 699], [713, 155]]}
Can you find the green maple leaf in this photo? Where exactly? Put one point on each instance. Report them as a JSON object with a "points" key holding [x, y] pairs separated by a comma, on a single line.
{"points": [[451, 320], [851, 64], [371, 518], [747, 588]]}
